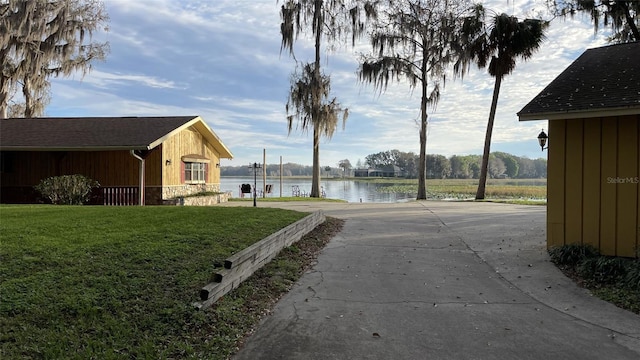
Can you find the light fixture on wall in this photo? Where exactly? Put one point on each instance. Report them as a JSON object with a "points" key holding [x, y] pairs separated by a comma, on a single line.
{"points": [[218, 165], [542, 140], [168, 162]]}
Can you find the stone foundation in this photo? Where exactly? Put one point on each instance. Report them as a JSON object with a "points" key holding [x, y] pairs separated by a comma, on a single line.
{"points": [[174, 192], [200, 200]]}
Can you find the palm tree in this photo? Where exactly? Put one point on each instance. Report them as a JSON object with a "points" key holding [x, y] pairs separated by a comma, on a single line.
{"points": [[506, 40], [309, 95]]}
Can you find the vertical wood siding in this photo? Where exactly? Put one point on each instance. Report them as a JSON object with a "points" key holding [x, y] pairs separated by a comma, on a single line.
{"points": [[188, 142], [592, 182], [153, 168], [573, 180], [555, 184], [608, 192], [593, 196], [109, 168], [627, 201]]}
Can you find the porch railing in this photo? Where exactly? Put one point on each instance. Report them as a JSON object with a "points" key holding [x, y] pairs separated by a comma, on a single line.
{"points": [[120, 195]]}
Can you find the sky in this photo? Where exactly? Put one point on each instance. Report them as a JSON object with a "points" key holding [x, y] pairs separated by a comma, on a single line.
{"points": [[221, 60]]}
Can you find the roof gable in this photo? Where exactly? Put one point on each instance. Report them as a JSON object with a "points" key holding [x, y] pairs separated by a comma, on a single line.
{"points": [[99, 133], [603, 80]]}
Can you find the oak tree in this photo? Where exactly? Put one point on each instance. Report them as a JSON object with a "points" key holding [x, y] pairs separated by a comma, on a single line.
{"points": [[44, 38], [623, 16], [309, 96], [416, 41]]}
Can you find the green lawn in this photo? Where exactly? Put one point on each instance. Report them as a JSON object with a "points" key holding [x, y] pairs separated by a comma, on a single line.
{"points": [[80, 282], [520, 191], [496, 189]]}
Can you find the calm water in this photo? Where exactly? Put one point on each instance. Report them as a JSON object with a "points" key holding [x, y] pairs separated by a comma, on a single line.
{"points": [[349, 190]]}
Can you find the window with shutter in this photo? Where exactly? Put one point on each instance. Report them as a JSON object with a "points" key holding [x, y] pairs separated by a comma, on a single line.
{"points": [[194, 172]]}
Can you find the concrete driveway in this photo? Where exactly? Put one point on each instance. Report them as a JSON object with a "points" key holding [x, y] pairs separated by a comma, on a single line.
{"points": [[439, 280]]}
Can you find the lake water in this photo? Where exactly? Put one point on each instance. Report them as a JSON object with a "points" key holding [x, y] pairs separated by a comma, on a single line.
{"points": [[349, 190]]}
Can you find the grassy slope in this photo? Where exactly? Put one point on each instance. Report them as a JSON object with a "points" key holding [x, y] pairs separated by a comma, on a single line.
{"points": [[109, 282]]}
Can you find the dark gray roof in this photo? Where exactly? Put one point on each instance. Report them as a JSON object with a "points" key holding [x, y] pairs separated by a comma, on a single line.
{"points": [[601, 80], [136, 133]]}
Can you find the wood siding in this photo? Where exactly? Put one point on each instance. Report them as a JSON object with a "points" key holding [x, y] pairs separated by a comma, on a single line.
{"points": [[555, 185], [188, 142], [21, 170], [593, 196], [109, 168]]}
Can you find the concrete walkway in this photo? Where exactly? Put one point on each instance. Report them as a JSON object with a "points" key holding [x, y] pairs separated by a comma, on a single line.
{"points": [[439, 280]]}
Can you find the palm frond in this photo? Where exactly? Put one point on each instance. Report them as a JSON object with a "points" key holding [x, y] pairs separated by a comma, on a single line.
{"points": [[506, 40]]}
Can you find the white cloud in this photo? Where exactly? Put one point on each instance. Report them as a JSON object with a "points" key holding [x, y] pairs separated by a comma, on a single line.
{"points": [[105, 80], [221, 60]]}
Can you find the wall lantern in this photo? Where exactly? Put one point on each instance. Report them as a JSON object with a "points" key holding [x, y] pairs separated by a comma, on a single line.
{"points": [[542, 139], [168, 162], [218, 165]]}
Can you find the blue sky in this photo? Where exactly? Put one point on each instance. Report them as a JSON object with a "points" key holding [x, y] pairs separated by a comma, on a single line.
{"points": [[220, 59]]}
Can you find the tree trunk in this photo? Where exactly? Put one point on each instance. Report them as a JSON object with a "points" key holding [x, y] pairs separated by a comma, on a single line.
{"points": [[3, 107], [631, 21], [4, 96], [316, 99], [482, 183], [315, 183], [4, 86], [28, 99], [422, 166]]}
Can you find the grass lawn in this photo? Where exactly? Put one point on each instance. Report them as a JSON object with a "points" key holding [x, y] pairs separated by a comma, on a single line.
{"points": [[518, 191], [80, 282], [497, 189]]}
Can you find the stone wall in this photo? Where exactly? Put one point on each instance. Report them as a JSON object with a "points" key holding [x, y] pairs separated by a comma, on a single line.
{"points": [[200, 200], [174, 192]]}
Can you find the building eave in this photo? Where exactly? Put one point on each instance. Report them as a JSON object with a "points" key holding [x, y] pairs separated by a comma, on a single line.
{"points": [[213, 138], [83, 148], [580, 114], [199, 124]]}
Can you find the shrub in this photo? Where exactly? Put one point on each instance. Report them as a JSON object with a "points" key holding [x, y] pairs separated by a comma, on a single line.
{"points": [[67, 189], [604, 269], [632, 279], [572, 254], [613, 279]]}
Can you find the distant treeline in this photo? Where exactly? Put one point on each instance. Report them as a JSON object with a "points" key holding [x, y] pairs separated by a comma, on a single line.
{"points": [[501, 165], [289, 169]]}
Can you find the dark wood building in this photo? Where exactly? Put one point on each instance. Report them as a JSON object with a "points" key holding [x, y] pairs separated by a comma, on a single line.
{"points": [[155, 158]]}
